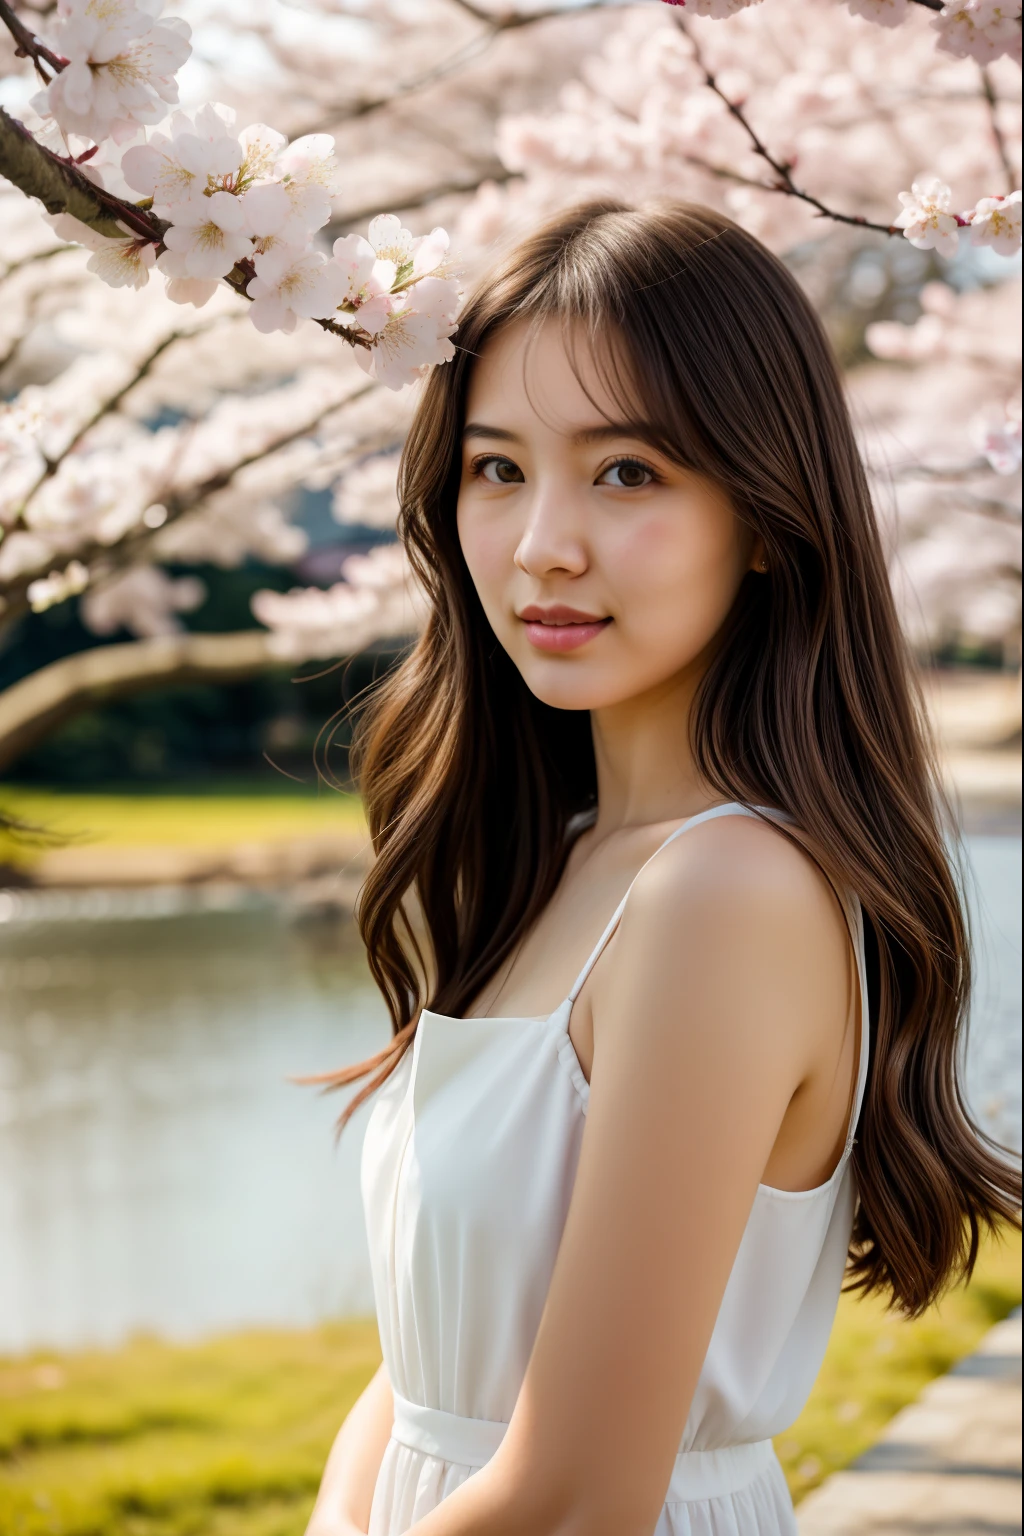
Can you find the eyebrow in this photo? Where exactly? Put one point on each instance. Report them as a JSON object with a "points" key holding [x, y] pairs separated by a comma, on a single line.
{"points": [[603, 434]]}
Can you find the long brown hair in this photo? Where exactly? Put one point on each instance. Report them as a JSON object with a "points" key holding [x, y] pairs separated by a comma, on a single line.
{"points": [[473, 788]]}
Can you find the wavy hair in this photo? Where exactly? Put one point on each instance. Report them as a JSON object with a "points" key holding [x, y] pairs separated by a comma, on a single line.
{"points": [[474, 789]]}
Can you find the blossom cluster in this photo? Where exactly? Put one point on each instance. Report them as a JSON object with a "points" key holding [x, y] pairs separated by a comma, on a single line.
{"points": [[377, 598], [245, 203], [928, 222], [969, 29]]}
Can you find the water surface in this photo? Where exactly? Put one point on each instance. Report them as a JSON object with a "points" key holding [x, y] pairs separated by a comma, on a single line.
{"points": [[157, 1169]]}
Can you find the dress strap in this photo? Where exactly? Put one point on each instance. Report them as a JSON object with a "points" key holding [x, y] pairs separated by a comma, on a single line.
{"points": [[731, 809], [854, 914]]}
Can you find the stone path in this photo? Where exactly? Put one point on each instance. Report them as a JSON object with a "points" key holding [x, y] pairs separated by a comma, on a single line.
{"points": [[948, 1465]]}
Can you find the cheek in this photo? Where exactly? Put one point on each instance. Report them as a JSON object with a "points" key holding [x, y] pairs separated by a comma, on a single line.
{"points": [[675, 573], [488, 546]]}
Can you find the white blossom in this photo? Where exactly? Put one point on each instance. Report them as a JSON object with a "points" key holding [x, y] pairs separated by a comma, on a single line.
{"points": [[979, 29], [367, 494], [377, 598], [208, 233], [290, 285], [58, 586], [270, 218], [198, 154], [122, 63], [310, 175], [996, 222], [120, 263], [926, 220], [143, 600], [23, 552]]}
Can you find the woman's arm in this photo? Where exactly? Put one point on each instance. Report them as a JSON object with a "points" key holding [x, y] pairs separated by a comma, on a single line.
{"points": [[346, 1490], [728, 990]]}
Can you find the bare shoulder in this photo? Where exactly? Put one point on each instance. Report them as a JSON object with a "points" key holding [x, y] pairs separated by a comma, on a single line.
{"points": [[744, 862], [735, 909]]}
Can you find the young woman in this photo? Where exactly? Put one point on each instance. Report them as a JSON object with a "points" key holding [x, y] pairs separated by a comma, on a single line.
{"points": [[661, 909]]}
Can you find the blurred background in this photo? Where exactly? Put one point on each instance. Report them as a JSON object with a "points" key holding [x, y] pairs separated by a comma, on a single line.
{"points": [[183, 1275]]}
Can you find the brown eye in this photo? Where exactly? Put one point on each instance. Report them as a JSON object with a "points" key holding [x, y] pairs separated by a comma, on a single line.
{"points": [[499, 471], [628, 475]]}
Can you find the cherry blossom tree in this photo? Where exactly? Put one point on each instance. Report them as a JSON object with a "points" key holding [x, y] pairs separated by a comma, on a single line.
{"points": [[240, 282]]}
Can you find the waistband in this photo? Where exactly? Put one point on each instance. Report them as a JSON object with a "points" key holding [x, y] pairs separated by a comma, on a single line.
{"points": [[472, 1443]]}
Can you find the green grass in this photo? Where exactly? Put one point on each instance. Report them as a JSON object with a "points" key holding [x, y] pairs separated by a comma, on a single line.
{"points": [[156, 820], [228, 1438]]}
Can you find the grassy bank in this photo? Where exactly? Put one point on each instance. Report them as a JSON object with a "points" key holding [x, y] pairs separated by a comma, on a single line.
{"points": [[228, 1438], [120, 821]]}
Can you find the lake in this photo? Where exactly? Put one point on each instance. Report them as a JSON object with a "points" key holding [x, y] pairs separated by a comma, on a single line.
{"points": [[159, 1171]]}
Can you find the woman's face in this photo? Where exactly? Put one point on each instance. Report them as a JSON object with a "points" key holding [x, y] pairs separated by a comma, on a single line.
{"points": [[604, 569]]}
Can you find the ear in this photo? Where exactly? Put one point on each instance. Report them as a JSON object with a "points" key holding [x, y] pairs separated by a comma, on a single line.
{"points": [[758, 558]]}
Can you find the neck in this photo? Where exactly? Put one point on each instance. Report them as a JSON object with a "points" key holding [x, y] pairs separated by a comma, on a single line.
{"points": [[645, 767]]}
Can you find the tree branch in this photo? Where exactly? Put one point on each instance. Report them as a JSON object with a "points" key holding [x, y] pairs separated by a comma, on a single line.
{"points": [[494, 24], [782, 172], [35, 705], [1002, 148], [62, 187], [28, 46], [399, 204]]}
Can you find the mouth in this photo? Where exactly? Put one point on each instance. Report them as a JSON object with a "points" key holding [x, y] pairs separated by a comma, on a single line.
{"points": [[560, 629]]}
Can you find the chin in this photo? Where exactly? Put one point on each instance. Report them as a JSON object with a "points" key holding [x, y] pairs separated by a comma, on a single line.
{"points": [[563, 685]]}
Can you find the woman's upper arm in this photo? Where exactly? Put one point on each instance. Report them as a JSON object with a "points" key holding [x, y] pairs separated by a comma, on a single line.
{"points": [[705, 1025]]}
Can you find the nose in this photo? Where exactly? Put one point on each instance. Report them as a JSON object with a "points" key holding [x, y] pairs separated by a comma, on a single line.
{"points": [[552, 540]]}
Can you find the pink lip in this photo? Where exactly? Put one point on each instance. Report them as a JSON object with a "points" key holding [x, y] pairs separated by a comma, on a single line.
{"points": [[559, 628]]}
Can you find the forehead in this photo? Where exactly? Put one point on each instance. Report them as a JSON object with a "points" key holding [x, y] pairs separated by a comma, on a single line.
{"points": [[535, 374]]}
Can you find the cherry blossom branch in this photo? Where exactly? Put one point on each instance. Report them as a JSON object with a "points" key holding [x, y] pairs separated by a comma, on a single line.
{"points": [[512, 19], [62, 187], [106, 408], [497, 173], [1002, 148], [784, 182], [176, 507], [495, 26], [28, 46]]}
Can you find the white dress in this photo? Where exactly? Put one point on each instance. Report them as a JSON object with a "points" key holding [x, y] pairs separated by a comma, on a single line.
{"points": [[468, 1168]]}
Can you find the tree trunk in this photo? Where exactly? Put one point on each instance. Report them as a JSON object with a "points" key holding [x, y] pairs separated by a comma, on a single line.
{"points": [[35, 706]]}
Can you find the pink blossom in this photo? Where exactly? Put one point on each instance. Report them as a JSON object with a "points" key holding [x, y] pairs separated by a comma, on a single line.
{"points": [[121, 69], [926, 220], [365, 275], [410, 331], [430, 252], [996, 222], [999, 439]]}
